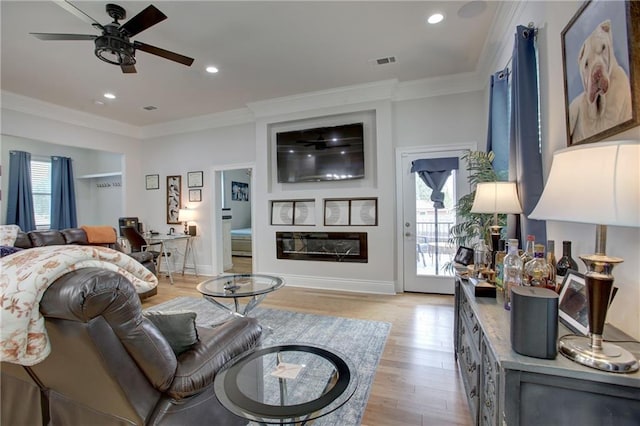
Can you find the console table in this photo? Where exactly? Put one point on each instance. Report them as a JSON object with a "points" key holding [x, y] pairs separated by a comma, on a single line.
{"points": [[506, 388]]}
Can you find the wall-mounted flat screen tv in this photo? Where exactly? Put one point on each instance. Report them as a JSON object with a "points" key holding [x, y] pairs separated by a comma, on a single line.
{"points": [[321, 154]]}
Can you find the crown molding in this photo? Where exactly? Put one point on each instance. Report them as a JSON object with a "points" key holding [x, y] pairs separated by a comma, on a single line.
{"points": [[199, 123], [31, 106], [339, 96], [500, 39], [438, 86]]}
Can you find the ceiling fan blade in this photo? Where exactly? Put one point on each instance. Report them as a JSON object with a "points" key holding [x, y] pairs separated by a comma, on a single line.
{"points": [[143, 20], [49, 36], [163, 53], [77, 12], [128, 69]]}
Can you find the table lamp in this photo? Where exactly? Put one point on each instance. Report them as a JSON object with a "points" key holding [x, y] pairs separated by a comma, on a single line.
{"points": [[185, 215], [496, 198], [597, 184]]}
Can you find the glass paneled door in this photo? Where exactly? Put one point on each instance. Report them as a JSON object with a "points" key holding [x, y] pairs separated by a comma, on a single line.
{"points": [[426, 229]]}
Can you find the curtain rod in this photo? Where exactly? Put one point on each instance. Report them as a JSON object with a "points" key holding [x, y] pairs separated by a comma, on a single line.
{"points": [[535, 34]]}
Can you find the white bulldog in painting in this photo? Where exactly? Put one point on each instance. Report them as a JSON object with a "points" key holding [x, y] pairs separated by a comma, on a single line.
{"points": [[606, 100]]}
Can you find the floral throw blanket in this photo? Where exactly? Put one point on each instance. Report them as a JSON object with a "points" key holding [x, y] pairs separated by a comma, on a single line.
{"points": [[24, 277]]}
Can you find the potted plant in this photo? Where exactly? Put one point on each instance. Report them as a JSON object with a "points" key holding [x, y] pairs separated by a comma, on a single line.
{"points": [[473, 227]]}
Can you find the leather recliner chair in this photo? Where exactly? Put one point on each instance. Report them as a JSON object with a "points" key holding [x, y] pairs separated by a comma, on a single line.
{"points": [[110, 365]]}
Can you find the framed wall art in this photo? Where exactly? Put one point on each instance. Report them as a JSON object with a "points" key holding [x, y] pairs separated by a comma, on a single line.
{"points": [[293, 212], [152, 182], [601, 59], [239, 191], [174, 198], [195, 195], [351, 212], [194, 179]]}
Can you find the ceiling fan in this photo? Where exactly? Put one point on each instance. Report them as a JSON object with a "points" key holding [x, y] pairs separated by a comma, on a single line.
{"points": [[114, 46], [321, 143]]}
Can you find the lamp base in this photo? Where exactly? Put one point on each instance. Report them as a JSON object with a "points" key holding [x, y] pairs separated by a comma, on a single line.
{"points": [[610, 357]]}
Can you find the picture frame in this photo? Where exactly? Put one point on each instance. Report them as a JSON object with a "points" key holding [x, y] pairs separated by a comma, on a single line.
{"points": [[464, 256], [351, 212], [194, 179], [304, 212], [174, 198], [239, 191], [282, 212], [610, 102], [195, 195], [572, 303], [152, 182]]}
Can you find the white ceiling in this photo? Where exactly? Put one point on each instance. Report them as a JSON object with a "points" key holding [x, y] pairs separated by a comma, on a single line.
{"points": [[263, 49]]}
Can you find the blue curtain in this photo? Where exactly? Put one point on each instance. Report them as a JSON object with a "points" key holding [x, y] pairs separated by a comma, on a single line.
{"points": [[63, 196], [20, 199], [434, 172], [525, 158], [498, 129]]}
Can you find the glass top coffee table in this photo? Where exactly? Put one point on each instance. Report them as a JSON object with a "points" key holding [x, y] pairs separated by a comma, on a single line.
{"points": [[285, 384], [237, 286]]}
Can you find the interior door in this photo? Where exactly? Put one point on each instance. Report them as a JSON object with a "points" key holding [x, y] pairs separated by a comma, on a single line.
{"points": [[425, 229]]}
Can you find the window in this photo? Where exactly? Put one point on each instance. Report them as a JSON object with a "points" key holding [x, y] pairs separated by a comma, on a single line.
{"points": [[41, 186]]}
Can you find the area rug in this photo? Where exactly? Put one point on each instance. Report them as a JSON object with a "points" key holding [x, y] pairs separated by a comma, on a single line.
{"points": [[361, 340]]}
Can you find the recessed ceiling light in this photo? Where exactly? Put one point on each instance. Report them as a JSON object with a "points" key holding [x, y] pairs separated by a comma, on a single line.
{"points": [[109, 95], [211, 69], [435, 18]]}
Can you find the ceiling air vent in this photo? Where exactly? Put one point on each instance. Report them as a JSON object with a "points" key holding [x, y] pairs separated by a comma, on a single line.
{"points": [[387, 60], [150, 108]]}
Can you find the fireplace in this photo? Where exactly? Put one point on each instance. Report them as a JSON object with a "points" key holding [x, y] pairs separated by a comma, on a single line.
{"points": [[325, 246]]}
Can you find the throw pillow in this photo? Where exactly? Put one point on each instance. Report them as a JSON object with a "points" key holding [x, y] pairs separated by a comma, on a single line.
{"points": [[7, 250], [8, 234], [178, 327]]}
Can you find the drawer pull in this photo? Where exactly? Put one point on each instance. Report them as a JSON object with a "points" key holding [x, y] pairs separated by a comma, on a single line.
{"points": [[473, 392], [488, 403], [475, 328]]}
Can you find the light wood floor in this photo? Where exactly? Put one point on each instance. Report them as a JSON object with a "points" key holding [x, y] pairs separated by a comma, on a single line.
{"points": [[417, 381]]}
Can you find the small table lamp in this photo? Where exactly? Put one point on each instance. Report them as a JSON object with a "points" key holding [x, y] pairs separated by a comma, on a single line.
{"points": [[496, 198], [597, 184], [185, 215]]}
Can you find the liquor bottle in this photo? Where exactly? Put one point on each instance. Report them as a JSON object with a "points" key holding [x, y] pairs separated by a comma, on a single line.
{"points": [[500, 254], [512, 271], [527, 254], [551, 262], [536, 270], [566, 261]]}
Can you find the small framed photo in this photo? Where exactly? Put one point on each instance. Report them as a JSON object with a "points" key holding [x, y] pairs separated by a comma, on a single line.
{"points": [[152, 182], [573, 307], [194, 179], [195, 195], [363, 212], [464, 256], [336, 212]]}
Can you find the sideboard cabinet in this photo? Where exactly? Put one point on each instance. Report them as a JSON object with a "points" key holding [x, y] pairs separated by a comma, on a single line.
{"points": [[506, 388]]}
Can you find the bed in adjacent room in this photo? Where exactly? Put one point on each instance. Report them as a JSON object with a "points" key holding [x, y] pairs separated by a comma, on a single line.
{"points": [[241, 242]]}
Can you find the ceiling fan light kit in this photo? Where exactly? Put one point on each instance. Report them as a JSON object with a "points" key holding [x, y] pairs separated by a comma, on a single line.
{"points": [[114, 46]]}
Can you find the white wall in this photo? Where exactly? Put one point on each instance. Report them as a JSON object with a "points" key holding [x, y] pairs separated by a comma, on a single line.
{"points": [[551, 18]]}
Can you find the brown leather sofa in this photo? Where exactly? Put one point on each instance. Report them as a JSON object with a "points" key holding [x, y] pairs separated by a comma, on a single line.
{"points": [[79, 236], [109, 365]]}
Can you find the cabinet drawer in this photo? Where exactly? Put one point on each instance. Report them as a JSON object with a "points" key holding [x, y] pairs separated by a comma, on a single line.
{"points": [[469, 318], [469, 362]]}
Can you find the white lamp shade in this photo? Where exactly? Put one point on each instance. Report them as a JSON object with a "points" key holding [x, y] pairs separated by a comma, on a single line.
{"points": [[496, 197], [593, 183], [186, 215]]}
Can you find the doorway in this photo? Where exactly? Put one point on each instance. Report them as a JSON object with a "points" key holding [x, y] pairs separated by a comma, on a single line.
{"points": [[424, 231], [233, 213]]}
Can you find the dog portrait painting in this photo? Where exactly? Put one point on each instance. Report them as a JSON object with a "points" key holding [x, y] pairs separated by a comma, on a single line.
{"points": [[601, 70]]}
